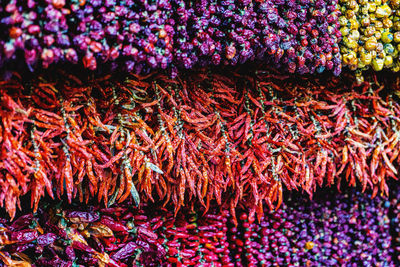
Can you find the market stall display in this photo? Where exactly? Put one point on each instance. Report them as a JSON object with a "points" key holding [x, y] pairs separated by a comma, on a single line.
{"points": [[186, 133]]}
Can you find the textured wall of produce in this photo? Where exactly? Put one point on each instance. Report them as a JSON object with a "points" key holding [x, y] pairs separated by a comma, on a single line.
{"points": [[394, 214], [240, 138], [348, 229], [298, 36], [371, 34]]}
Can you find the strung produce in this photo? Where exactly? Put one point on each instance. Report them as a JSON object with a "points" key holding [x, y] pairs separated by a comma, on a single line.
{"points": [[230, 138], [344, 229], [371, 34], [395, 219], [334, 229], [62, 236], [298, 36]]}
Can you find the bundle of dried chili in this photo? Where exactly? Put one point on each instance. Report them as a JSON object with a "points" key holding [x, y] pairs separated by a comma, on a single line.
{"points": [[239, 139], [68, 235], [334, 228]]}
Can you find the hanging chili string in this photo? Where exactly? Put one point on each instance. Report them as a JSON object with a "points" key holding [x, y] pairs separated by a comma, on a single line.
{"points": [[239, 139]]}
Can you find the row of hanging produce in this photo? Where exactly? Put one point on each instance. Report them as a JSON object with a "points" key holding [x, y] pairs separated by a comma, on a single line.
{"points": [[349, 229], [186, 150], [297, 36], [199, 138]]}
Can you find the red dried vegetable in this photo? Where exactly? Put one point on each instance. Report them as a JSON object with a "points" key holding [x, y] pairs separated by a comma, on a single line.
{"points": [[86, 239], [240, 138], [334, 228], [140, 36]]}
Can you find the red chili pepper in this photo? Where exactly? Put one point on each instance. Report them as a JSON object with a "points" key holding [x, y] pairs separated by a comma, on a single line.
{"points": [[187, 253], [211, 258], [22, 222], [193, 238], [114, 225], [83, 247], [128, 250], [67, 175], [239, 242], [207, 228], [181, 235], [143, 244], [173, 244], [207, 234], [112, 247], [24, 236], [146, 232], [46, 239], [192, 244], [172, 251], [140, 217], [174, 260], [82, 216], [157, 225], [188, 262], [209, 246]]}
